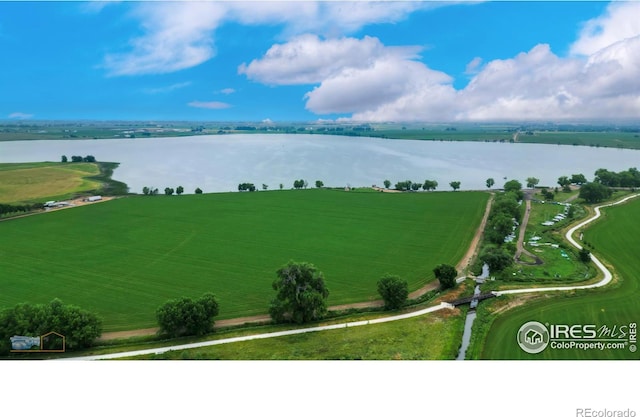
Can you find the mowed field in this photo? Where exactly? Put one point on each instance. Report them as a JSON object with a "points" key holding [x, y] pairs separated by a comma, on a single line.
{"points": [[124, 258], [616, 239], [35, 182]]}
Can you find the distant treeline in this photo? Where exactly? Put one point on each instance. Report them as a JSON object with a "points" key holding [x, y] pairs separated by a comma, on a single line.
{"points": [[629, 178], [78, 158], [16, 209]]}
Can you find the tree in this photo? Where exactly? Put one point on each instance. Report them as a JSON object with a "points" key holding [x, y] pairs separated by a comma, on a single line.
{"points": [[584, 255], [79, 327], [415, 186], [146, 190], [64, 158], [246, 186], [319, 184], [394, 291], [490, 182], [455, 185], [594, 192], [168, 191], [265, 187], [301, 294], [430, 185], [403, 185], [497, 258], [446, 274], [564, 181], [198, 190], [578, 179], [76, 158], [297, 184], [281, 186], [180, 189], [185, 316], [532, 182], [89, 158], [387, 183]]}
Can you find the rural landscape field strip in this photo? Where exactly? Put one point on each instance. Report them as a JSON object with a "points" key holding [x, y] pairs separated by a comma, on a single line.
{"points": [[616, 238], [124, 258], [259, 336], [20, 182]]}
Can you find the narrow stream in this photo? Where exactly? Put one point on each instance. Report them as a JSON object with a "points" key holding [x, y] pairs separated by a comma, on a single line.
{"points": [[471, 315]]}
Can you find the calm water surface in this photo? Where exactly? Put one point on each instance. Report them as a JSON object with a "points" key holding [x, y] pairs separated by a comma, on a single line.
{"points": [[220, 163]]}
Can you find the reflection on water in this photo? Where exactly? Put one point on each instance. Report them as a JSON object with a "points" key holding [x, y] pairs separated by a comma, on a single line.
{"points": [[220, 163]]}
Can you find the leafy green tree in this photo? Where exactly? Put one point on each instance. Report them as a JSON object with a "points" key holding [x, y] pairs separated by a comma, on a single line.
{"points": [[79, 327], [415, 186], [514, 186], [198, 191], [403, 185], [430, 185], [394, 291], [490, 182], [64, 159], [281, 186], [89, 158], [76, 158], [319, 184], [497, 258], [532, 182], [246, 186], [168, 191], [455, 185], [564, 181], [146, 190], [578, 179], [387, 183], [301, 294], [179, 189], [584, 255], [185, 316], [499, 226], [594, 192], [265, 187], [446, 275]]}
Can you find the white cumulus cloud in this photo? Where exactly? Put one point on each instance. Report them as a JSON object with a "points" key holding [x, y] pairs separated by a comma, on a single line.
{"points": [[620, 21], [176, 36], [180, 35]]}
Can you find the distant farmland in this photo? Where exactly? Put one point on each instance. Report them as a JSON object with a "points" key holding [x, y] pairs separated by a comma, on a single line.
{"points": [[34, 182], [123, 258]]}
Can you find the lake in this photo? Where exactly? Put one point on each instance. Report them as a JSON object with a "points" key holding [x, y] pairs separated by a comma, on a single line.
{"points": [[219, 163]]}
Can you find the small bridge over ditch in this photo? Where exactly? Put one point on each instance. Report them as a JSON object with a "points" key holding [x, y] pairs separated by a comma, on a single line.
{"points": [[473, 300]]}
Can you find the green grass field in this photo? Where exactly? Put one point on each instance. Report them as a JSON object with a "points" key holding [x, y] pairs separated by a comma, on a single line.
{"points": [[430, 337], [36, 182], [124, 258], [616, 239]]}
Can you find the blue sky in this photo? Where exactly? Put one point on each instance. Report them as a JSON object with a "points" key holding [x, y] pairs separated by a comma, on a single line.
{"points": [[306, 61]]}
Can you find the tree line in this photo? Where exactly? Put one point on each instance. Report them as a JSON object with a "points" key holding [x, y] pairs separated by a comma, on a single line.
{"points": [[77, 158]]}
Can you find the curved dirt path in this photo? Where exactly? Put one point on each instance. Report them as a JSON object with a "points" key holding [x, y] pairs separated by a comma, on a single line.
{"points": [[464, 263]]}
